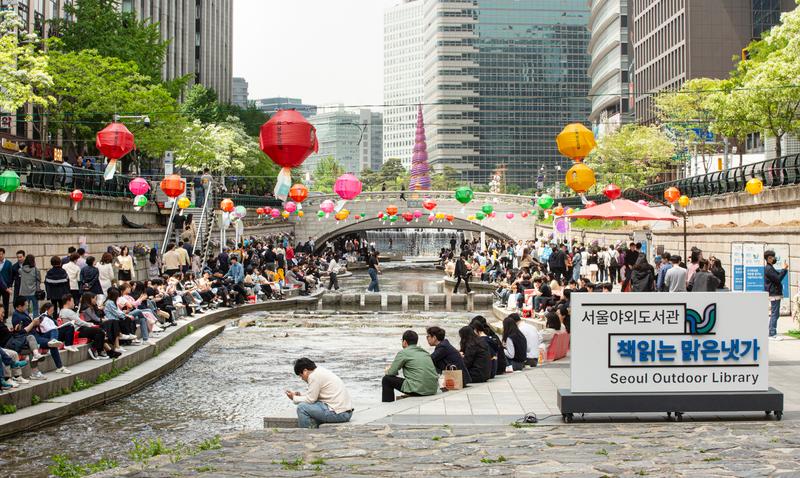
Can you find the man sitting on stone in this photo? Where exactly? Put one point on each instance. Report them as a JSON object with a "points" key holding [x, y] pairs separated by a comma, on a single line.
{"points": [[445, 356], [419, 374], [325, 401]]}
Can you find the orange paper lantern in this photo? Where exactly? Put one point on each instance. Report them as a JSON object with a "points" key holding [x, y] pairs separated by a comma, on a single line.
{"points": [[226, 205], [173, 186], [392, 210], [672, 194], [298, 193]]}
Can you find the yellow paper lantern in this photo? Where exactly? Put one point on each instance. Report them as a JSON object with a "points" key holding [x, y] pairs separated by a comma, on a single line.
{"points": [[570, 211], [576, 141], [471, 218], [300, 214], [754, 186], [440, 215], [684, 201], [285, 214], [580, 178], [184, 202]]}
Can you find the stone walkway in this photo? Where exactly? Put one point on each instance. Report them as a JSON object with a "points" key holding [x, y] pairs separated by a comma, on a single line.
{"points": [[746, 449]]}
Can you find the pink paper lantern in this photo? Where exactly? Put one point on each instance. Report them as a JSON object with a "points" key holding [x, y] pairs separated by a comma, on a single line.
{"points": [[290, 207], [417, 214], [275, 213], [139, 186], [327, 206], [432, 218], [347, 187], [509, 215]]}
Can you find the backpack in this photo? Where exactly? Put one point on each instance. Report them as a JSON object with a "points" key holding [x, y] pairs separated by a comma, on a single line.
{"points": [[601, 261], [613, 262]]}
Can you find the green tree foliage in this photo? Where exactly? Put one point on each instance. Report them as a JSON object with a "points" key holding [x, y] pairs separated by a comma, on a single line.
{"points": [[101, 25], [23, 68], [221, 147], [201, 104], [252, 118], [392, 174], [447, 180], [325, 174], [90, 88], [632, 156]]}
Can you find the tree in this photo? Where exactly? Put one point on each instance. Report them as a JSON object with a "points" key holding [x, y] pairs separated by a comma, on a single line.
{"points": [[221, 147], [632, 156], [102, 25], [252, 118], [23, 67], [447, 180], [325, 174], [201, 104], [731, 115], [89, 89]]}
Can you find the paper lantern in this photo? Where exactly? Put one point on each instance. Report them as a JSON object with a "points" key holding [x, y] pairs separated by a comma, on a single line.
{"points": [[260, 211], [558, 211], [275, 214], [754, 186], [285, 214], [417, 214], [439, 215], [347, 186], [524, 214], [576, 141], [392, 218], [449, 217], [545, 201], [290, 206], [380, 215], [240, 211], [267, 210], [288, 138], [487, 209], [480, 216], [429, 204], [431, 217], [509, 215], [139, 186], [672, 194], [464, 194], [391, 210], [561, 225], [327, 206], [300, 214], [408, 216], [226, 205], [612, 192], [298, 193], [139, 202], [184, 202], [580, 178], [569, 211], [114, 141], [471, 217], [9, 182], [173, 186], [684, 201], [320, 214], [76, 196]]}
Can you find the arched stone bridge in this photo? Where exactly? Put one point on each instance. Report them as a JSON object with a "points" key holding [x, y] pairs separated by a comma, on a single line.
{"points": [[371, 203]]}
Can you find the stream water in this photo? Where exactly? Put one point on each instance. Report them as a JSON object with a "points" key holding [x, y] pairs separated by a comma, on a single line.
{"points": [[231, 384]]}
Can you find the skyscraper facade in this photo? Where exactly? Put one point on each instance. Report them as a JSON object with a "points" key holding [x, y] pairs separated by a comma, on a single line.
{"points": [[678, 40], [339, 132], [371, 139], [271, 105], [239, 93], [402, 77], [609, 69]]}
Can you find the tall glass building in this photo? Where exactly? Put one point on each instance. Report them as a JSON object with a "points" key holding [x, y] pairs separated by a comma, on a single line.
{"points": [[501, 79]]}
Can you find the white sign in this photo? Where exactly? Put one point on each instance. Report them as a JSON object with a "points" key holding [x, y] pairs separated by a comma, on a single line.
{"points": [[169, 163], [737, 267], [677, 342]]}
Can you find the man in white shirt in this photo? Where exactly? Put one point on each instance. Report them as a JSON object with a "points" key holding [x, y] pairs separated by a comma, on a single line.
{"points": [[675, 278], [532, 339], [325, 401]]}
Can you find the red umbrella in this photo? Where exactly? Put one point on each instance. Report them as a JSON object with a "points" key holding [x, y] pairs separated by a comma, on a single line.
{"points": [[622, 210]]}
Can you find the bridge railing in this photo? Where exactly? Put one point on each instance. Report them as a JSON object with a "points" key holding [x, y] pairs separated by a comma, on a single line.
{"points": [[394, 196]]}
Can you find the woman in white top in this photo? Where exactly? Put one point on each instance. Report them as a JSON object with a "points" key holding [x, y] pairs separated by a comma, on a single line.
{"points": [[107, 280], [124, 263]]}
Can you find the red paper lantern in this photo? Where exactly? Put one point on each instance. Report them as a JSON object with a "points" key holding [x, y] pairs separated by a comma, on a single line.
{"points": [[558, 211], [672, 194], [450, 217], [267, 210], [288, 138], [347, 187], [429, 204], [408, 216], [76, 195], [173, 186], [115, 141], [612, 191], [226, 205], [260, 211], [298, 193], [391, 210]]}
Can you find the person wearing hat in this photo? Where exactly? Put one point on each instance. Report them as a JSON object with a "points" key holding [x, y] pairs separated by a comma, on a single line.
{"points": [[774, 286]]}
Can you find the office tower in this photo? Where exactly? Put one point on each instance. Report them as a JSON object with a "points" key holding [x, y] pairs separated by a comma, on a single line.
{"points": [[271, 105], [609, 69], [501, 80], [371, 140], [239, 93], [402, 77], [339, 133]]}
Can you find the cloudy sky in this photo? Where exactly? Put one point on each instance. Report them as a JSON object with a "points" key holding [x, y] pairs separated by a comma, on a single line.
{"points": [[323, 51]]}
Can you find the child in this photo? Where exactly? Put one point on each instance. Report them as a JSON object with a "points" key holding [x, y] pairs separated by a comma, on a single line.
{"points": [[57, 334]]}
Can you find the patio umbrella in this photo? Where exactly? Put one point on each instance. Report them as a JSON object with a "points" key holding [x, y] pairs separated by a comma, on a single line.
{"points": [[622, 210]]}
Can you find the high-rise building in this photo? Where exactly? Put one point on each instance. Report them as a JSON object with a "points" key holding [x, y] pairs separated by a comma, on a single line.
{"points": [[609, 70], [271, 105], [371, 139], [402, 77], [239, 94], [501, 80], [339, 133], [678, 40]]}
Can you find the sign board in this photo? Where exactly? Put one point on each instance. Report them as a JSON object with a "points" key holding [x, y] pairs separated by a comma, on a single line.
{"points": [[6, 121], [753, 255], [737, 267], [678, 342], [169, 163], [414, 204]]}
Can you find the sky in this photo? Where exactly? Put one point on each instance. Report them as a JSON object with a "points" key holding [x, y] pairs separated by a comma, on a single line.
{"points": [[323, 51]]}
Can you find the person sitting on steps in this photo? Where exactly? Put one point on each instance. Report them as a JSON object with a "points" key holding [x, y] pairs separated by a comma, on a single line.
{"points": [[419, 374], [326, 400]]}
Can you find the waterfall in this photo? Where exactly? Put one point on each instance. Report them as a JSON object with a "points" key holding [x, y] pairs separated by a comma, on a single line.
{"points": [[414, 242]]}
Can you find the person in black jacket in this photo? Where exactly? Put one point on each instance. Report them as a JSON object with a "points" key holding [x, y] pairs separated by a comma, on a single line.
{"points": [[514, 344], [773, 284], [643, 276], [491, 338], [462, 273], [90, 278], [56, 283], [445, 356], [477, 359]]}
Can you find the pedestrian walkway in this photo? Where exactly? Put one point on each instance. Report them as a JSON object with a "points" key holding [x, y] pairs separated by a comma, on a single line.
{"points": [[509, 397]]}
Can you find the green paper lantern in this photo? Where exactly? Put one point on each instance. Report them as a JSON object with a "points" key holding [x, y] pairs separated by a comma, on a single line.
{"points": [[480, 216], [487, 209], [464, 194], [140, 201], [9, 181], [546, 201], [320, 214], [392, 218]]}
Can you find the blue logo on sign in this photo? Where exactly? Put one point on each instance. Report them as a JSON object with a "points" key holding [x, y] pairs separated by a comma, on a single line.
{"points": [[701, 325]]}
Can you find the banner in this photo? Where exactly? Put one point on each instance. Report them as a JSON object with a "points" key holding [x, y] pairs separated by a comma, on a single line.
{"points": [[677, 342], [737, 267], [753, 267]]}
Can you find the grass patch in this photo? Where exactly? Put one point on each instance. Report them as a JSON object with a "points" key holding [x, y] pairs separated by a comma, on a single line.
{"points": [[436, 438], [205, 469], [8, 409], [63, 467], [794, 333], [143, 450], [712, 458], [35, 400], [292, 465], [603, 452], [79, 385], [499, 459], [318, 461], [210, 444], [522, 425]]}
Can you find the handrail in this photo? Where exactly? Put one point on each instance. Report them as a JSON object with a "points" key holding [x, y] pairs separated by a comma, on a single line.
{"points": [[170, 225], [203, 214]]}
